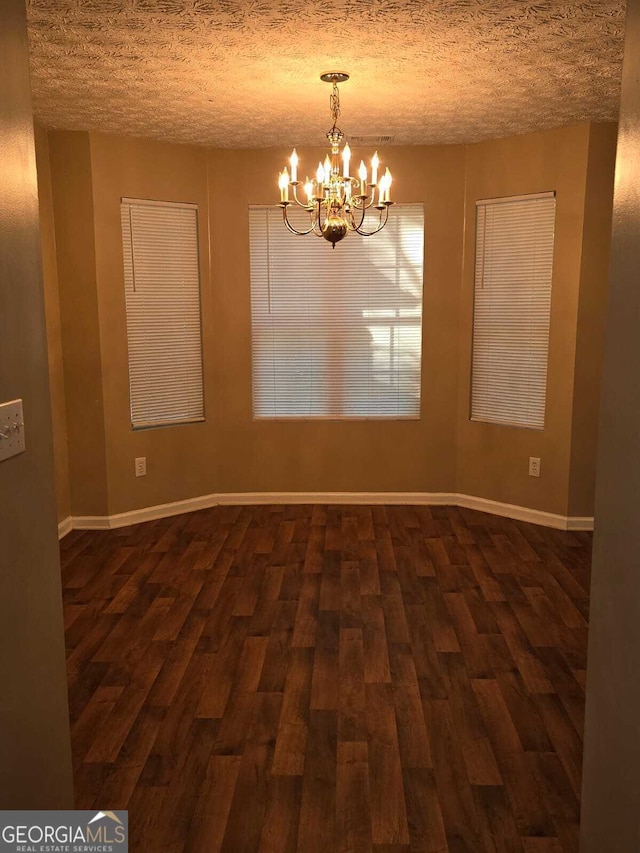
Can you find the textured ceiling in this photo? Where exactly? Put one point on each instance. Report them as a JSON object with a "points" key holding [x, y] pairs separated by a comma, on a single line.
{"points": [[245, 73]]}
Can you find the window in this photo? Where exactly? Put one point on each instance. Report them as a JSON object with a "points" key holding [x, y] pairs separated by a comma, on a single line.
{"points": [[162, 292], [336, 333], [512, 306]]}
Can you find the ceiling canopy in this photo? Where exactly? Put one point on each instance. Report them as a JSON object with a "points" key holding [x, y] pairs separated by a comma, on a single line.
{"points": [[245, 73]]}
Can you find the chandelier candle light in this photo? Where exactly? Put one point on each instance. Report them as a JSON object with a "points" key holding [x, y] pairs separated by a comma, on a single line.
{"points": [[336, 201]]}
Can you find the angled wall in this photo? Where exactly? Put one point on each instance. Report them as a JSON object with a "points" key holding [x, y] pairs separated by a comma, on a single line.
{"points": [[54, 330], [72, 189], [592, 308], [493, 459]]}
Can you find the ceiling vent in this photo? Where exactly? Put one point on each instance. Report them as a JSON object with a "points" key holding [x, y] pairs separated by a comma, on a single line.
{"points": [[371, 140]]}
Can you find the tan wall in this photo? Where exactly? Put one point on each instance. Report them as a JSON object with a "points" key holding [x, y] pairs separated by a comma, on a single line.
{"points": [[493, 460], [594, 288], [230, 452], [35, 748], [181, 460], [54, 332], [71, 182], [339, 455]]}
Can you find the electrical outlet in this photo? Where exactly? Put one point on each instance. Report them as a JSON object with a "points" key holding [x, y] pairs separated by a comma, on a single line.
{"points": [[141, 466], [534, 466]]}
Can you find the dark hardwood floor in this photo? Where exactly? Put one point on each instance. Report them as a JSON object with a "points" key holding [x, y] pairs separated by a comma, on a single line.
{"points": [[330, 678]]}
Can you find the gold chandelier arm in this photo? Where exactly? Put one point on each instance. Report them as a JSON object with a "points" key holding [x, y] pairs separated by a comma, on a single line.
{"points": [[317, 220], [382, 222], [367, 202], [290, 226], [296, 199], [352, 221]]}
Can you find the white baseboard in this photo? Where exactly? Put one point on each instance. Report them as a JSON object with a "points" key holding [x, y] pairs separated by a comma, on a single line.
{"points": [[353, 498], [580, 523], [94, 522], [523, 513], [65, 526], [149, 513], [136, 516]]}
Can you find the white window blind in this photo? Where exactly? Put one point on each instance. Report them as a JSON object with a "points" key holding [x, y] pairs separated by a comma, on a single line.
{"points": [[162, 292], [512, 307], [336, 333]]}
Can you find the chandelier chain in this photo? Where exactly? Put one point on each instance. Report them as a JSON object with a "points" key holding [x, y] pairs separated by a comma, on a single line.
{"points": [[334, 104]]}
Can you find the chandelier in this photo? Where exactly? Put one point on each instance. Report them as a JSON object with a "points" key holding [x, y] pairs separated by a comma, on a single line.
{"points": [[336, 201]]}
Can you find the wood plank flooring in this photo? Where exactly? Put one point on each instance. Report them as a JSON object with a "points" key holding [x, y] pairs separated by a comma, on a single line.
{"points": [[330, 679]]}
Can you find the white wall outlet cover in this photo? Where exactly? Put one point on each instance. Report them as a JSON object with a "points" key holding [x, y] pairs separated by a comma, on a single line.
{"points": [[141, 466], [11, 429], [534, 466]]}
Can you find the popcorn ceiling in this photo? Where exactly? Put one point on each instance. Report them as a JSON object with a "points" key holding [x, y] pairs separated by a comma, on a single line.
{"points": [[245, 73]]}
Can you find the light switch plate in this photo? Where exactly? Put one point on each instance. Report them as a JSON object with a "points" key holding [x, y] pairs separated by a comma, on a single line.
{"points": [[11, 429]]}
